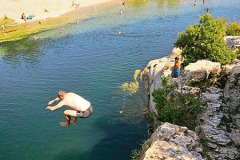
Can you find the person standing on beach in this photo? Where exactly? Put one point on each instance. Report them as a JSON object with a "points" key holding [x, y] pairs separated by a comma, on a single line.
{"points": [[24, 17], [3, 29], [81, 107]]}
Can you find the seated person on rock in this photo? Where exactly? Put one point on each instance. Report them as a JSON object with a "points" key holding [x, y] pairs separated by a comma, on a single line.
{"points": [[81, 107], [177, 67]]}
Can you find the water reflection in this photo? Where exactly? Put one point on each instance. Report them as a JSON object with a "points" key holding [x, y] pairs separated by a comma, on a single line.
{"points": [[27, 50]]}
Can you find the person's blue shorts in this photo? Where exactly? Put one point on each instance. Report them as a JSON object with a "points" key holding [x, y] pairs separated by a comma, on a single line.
{"points": [[176, 73]]}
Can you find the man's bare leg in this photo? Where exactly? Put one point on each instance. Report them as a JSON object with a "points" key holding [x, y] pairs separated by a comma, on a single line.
{"points": [[67, 115], [74, 122], [67, 123]]}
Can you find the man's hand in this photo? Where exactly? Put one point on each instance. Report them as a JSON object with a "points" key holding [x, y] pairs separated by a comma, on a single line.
{"points": [[51, 102], [49, 108]]}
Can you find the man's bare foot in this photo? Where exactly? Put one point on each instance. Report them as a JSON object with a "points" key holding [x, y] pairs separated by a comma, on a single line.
{"points": [[73, 123], [64, 124]]}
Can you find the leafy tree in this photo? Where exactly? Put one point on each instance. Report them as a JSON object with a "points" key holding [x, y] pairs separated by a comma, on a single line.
{"points": [[206, 40]]}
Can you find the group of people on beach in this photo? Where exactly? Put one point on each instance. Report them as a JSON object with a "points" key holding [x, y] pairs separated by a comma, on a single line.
{"points": [[23, 16], [76, 5]]}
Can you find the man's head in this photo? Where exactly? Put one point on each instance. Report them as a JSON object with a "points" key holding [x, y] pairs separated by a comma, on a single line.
{"points": [[61, 95], [176, 59]]}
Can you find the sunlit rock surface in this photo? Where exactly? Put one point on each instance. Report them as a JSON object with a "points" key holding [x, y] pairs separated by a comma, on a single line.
{"points": [[202, 69], [174, 142]]}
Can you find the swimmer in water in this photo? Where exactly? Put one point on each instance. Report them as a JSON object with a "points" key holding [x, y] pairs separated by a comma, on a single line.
{"points": [[119, 32]]}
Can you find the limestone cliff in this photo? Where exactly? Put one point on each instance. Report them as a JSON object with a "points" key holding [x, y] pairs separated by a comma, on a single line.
{"points": [[217, 135]]}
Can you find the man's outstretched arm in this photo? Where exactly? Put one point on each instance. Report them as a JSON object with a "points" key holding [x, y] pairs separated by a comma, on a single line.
{"points": [[59, 105], [53, 101]]}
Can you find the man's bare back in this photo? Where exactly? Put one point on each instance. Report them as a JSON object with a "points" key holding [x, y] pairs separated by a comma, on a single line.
{"points": [[82, 107]]}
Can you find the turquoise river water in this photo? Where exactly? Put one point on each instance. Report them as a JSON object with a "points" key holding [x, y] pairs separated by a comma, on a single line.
{"points": [[91, 60]]}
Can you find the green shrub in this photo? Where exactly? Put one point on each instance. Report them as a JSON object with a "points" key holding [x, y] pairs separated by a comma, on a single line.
{"points": [[233, 29], [238, 53], [175, 107], [206, 40]]}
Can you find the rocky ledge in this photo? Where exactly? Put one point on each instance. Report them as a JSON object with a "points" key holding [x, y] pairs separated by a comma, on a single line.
{"points": [[217, 134], [174, 142]]}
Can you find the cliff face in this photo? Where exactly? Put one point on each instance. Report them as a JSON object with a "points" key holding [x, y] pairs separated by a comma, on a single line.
{"points": [[151, 75], [217, 135]]}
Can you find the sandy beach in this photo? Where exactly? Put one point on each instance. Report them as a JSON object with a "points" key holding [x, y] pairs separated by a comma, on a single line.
{"points": [[42, 9], [52, 13]]}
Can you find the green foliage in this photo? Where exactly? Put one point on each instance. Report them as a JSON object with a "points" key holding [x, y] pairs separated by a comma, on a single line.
{"points": [[233, 29], [238, 53], [165, 81], [175, 107], [206, 40], [131, 87]]}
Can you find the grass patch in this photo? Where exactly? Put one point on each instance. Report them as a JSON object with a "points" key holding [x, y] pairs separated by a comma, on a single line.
{"points": [[6, 21], [19, 31]]}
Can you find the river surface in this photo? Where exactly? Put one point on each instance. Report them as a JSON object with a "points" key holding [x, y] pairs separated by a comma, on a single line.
{"points": [[91, 60]]}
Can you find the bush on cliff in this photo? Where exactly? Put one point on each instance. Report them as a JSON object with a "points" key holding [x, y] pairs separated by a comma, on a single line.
{"points": [[176, 107], [206, 40], [233, 29]]}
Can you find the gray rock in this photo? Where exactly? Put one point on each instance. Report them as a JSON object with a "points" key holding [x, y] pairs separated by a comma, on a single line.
{"points": [[211, 145], [235, 136], [209, 97], [200, 70], [174, 142], [232, 88], [233, 42]]}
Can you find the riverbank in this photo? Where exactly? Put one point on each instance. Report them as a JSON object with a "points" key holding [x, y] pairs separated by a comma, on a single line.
{"points": [[46, 15], [217, 131]]}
